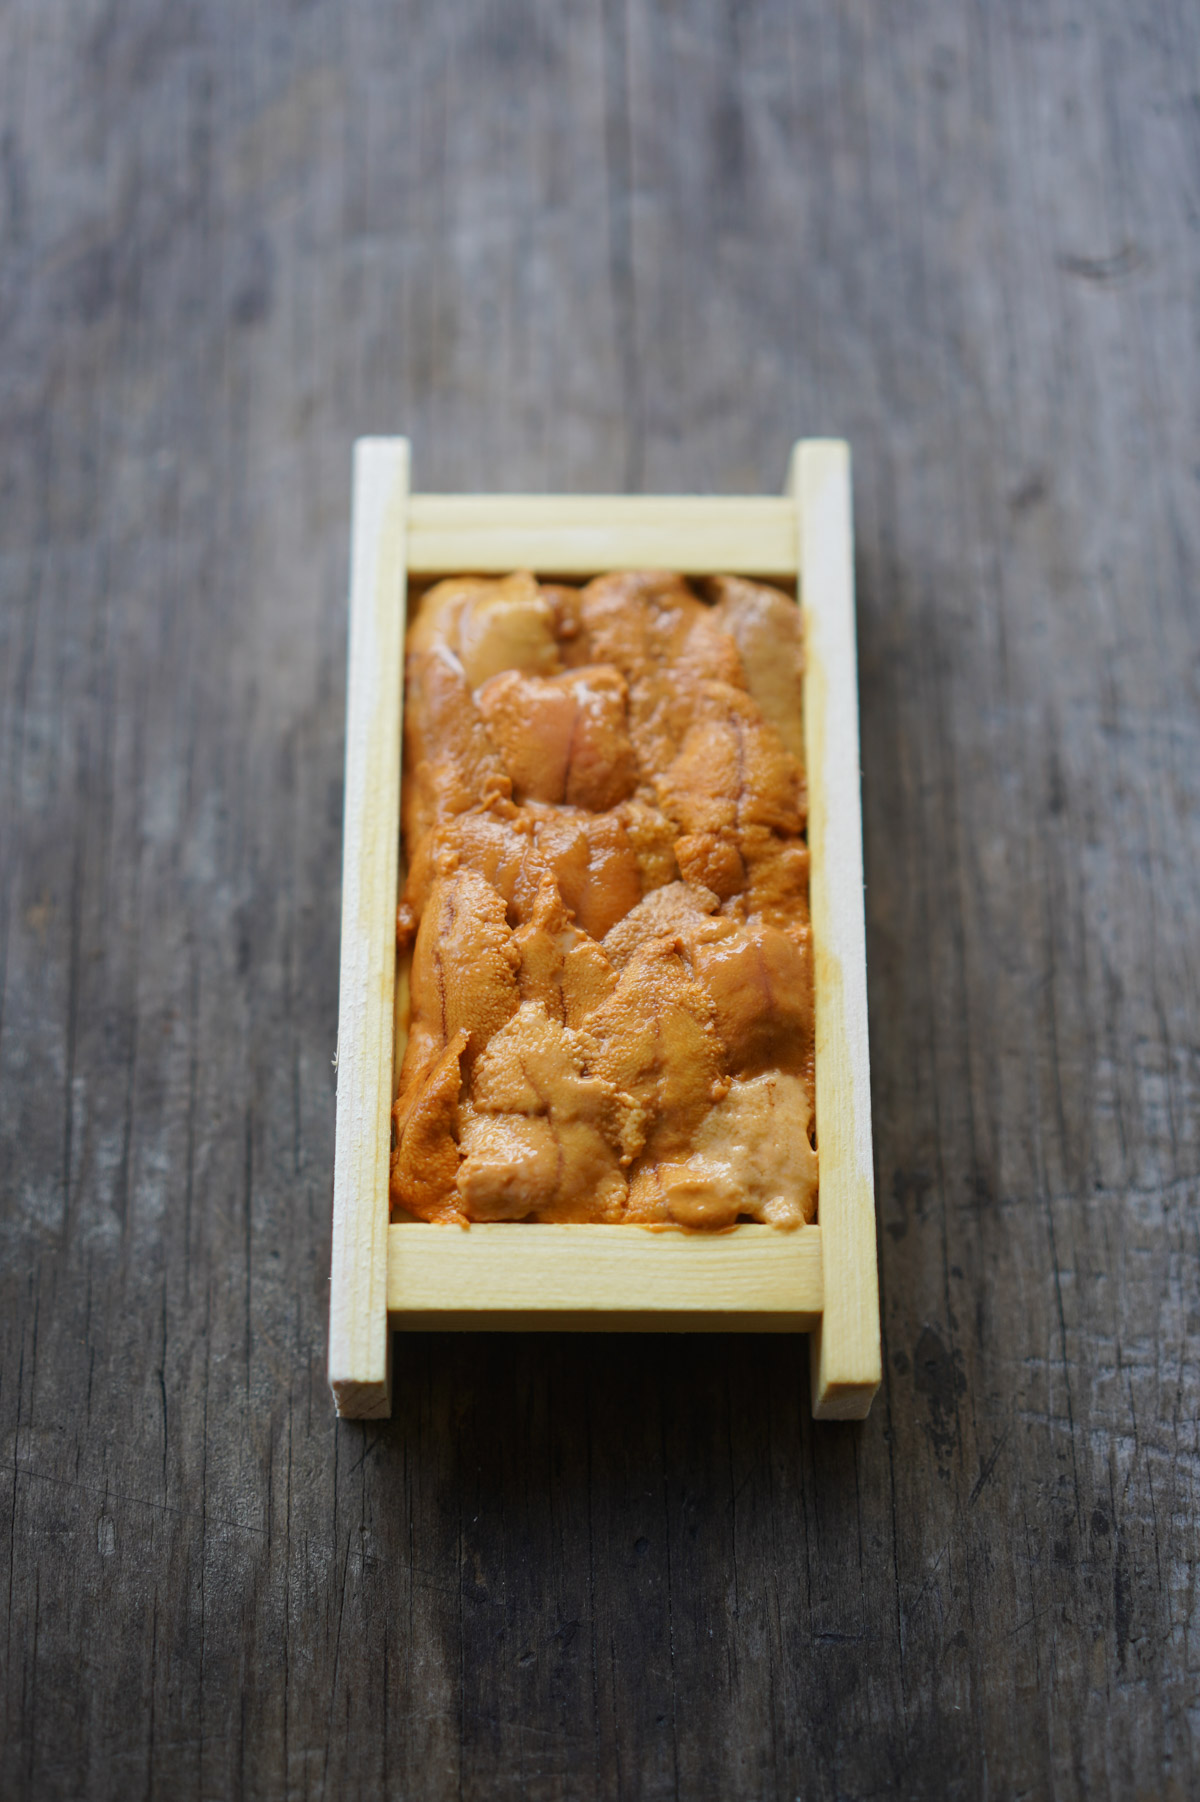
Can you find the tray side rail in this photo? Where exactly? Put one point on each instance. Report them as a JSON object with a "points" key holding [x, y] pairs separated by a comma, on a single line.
{"points": [[359, 1337], [844, 1354]]}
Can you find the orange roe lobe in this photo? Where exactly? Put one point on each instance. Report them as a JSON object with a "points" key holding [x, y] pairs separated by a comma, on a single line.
{"points": [[607, 902]]}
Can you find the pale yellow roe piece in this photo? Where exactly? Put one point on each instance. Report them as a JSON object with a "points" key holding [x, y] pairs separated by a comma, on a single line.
{"points": [[751, 1156], [604, 814]]}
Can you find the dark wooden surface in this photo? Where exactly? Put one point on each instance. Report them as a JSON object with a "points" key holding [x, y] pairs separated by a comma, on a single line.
{"points": [[596, 246]]}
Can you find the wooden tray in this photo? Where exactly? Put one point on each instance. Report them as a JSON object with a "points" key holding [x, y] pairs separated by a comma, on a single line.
{"points": [[819, 1279]]}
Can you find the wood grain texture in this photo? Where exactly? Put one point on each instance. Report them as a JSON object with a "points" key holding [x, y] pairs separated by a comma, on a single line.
{"points": [[596, 247]]}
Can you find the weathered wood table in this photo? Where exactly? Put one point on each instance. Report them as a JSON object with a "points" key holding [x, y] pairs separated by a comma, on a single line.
{"points": [[598, 248]]}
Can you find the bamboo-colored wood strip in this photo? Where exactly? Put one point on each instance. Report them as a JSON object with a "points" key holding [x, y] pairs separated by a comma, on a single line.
{"points": [[359, 1340], [845, 1356], [603, 1278], [573, 535]]}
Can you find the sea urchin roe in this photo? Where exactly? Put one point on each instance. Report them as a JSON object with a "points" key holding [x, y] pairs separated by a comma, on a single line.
{"points": [[607, 899]]}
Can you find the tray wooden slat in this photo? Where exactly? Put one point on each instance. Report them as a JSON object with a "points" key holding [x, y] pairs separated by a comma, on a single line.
{"points": [[599, 1278], [359, 1340], [569, 535], [845, 1356]]}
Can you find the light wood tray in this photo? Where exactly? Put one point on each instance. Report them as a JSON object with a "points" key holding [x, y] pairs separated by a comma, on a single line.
{"points": [[819, 1279]]}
